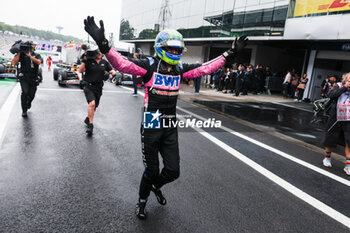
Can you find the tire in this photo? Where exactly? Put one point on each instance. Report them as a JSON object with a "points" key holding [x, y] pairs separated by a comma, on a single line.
{"points": [[63, 74], [55, 73], [2, 68], [59, 80]]}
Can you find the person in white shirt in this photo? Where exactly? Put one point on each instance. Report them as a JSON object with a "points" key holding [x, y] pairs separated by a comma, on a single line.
{"points": [[286, 83]]}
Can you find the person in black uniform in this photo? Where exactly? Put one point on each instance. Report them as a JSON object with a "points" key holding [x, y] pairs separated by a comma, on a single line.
{"points": [[28, 74], [95, 69]]}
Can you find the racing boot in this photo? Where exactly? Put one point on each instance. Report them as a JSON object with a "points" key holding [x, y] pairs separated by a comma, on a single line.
{"points": [[159, 195], [141, 209], [90, 129], [86, 121]]}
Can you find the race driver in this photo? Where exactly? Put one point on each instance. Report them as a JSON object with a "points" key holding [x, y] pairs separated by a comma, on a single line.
{"points": [[162, 75]]}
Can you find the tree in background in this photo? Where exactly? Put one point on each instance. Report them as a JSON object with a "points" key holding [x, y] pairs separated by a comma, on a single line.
{"points": [[148, 34], [21, 30], [126, 31]]}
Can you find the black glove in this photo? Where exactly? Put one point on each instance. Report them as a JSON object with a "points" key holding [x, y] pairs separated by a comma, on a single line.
{"points": [[98, 34], [237, 46]]}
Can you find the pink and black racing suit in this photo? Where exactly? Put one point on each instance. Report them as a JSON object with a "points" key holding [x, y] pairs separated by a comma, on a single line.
{"points": [[162, 83]]}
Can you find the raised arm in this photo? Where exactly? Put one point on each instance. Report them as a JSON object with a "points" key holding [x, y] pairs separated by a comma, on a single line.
{"points": [[123, 64], [206, 68], [15, 60], [211, 66], [118, 61]]}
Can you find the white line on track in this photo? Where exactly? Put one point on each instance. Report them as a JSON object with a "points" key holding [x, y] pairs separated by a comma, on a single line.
{"points": [[274, 150], [6, 109], [77, 90], [339, 217], [278, 152], [131, 89]]}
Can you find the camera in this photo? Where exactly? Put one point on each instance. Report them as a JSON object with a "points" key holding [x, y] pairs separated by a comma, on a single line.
{"points": [[25, 47], [20, 46]]}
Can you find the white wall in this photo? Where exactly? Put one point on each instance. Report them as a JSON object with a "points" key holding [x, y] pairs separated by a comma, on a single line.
{"points": [[146, 48], [193, 54], [330, 27]]}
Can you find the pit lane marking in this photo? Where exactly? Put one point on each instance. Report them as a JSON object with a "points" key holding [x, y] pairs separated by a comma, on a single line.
{"points": [[274, 150], [6, 109], [339, 217], [77, 90]]}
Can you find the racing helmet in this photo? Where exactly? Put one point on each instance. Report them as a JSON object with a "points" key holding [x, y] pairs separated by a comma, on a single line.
{"points": [[169, 38]]}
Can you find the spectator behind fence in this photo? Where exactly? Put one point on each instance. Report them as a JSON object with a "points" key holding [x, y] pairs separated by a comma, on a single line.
{"points": [[261, 76], [301, 87], [326, 80], [216, 78], [254, 87], [239, 79], [247, 80], [223, 78], [286, 83], [229, 82], [329, 85], [293, 85]]}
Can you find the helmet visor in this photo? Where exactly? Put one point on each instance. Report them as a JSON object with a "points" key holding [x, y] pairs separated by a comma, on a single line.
{"points": [[173, 50], [175, 43]]}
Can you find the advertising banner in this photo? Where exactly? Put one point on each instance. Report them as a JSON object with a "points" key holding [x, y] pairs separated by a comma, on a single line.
{"points": [[308, 7], [48, 47]]}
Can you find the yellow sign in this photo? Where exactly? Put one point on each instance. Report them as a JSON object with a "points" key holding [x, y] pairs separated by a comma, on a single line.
{"points": [[307, 7]]}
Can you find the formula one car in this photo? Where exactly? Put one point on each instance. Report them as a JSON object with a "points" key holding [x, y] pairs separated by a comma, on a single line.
{"points": [[125, 79], [7, 70], [66, 74]]}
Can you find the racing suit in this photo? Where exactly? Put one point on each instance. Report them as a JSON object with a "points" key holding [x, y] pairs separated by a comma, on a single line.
{"points": [[162, 83]]}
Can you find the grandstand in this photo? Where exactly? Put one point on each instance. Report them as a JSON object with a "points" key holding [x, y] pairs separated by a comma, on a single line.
{"points": [[7, 39]]}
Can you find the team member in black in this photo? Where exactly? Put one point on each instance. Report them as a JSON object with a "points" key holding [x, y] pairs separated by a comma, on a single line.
{"points": [[28, 75], [94, 67]]}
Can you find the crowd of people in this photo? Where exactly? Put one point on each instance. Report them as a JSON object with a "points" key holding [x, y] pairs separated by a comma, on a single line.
{"points": [[294, 85], [240, 79]]}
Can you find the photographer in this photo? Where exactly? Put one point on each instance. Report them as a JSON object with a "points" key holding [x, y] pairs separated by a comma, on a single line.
{"points": [[28, 73], [95, 69]]}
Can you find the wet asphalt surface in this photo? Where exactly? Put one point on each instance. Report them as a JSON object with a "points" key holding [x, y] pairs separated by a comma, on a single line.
{"points": [[297, 123], [53, 178]]}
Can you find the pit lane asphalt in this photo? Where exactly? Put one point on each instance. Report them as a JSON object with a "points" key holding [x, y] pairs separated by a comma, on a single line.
{"points": [[55, 179]]}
